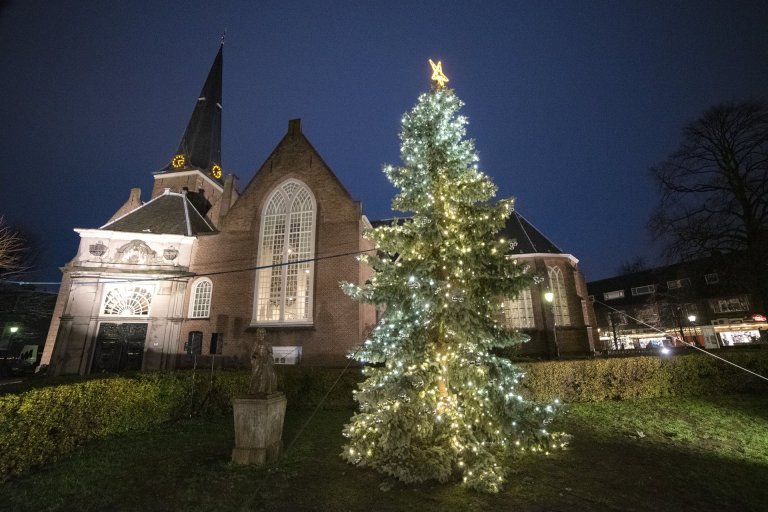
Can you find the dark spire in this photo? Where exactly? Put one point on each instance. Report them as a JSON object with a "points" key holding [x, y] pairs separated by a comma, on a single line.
{"points": [[200, 147]]}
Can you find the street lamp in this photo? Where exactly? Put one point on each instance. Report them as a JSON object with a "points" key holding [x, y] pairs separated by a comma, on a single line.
{"points": [[550, 298], [4, 362], [692, 319]]}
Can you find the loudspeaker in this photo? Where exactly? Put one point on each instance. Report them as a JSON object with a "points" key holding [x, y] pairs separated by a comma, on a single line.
{"points": [[217, 343], [194, 344]]}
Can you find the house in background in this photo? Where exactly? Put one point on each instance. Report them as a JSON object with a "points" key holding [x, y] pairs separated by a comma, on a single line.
{"points": [[200, 268], [703, 301], [25, 314]]}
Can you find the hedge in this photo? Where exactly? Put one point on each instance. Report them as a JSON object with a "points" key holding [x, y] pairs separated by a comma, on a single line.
{"points": [[644, 377], [42, 423], [46, 422]]}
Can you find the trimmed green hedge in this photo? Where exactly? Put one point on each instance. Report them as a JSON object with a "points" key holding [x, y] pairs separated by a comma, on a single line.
{"points": [[641, 377], [45, 422], [42, 423]]}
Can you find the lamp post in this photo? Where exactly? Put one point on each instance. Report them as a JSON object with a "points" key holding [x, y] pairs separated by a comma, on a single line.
{"points": [[692, 319], [550, 298], [12, 330], [4, 363]]}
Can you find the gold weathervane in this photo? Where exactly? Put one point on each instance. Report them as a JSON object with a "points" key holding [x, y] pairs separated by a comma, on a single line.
{"points": [[437, 73]]}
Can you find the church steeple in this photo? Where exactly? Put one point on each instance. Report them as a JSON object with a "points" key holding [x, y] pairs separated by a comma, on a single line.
{"points": [[200, 147]]}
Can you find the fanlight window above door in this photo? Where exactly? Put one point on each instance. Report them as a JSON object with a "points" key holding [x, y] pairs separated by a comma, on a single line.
{"points": [[127, 301]]}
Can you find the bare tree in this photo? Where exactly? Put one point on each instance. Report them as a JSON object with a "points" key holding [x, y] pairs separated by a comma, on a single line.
{"points": [[636, 264], [12, 250], [715, 191]]}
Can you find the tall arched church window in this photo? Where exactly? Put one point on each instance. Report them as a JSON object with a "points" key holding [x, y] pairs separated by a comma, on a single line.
{"points": [[127, 301], [560, 299], [518, 312], [286, 249], [200, 305]]}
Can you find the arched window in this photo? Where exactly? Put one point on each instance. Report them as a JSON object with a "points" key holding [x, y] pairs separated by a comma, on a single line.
{"points": [[560, 300], [200, 303], [286, 249], [518, 312], [127, 301]]}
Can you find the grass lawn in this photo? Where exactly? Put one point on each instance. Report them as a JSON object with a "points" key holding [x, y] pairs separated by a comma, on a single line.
{"points": [[654, 455]]}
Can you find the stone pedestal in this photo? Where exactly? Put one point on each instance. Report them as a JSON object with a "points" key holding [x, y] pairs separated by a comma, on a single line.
{"points": [[258, 428]]}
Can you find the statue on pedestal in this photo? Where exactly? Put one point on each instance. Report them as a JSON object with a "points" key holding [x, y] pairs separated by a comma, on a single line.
{"points": [[263, 377], [259, 415]]}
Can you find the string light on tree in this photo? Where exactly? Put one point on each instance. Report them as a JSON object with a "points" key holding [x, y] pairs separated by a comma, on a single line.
{"points": [[437, 402]]}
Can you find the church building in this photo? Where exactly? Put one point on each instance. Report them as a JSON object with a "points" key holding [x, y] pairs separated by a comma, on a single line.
{"points": [[199, 268]]}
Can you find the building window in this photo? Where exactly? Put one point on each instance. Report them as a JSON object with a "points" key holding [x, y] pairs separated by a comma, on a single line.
{"points": [[616, 294], [127, 301], [643, 290], [729, 305], [678, 283], [560, 299], [518, 312], [287, 246], [648, 314], [711, 279], [200, 306]]}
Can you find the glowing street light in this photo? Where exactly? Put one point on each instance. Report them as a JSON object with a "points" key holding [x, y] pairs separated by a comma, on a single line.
{"points": [[692, 319], [550, 298]]}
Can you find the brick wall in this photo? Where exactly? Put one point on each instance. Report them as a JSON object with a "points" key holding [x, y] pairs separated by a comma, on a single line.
{"points": [[338, 322]]}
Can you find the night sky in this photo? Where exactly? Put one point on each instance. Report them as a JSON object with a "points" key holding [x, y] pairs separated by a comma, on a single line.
{"points": [[569, 102]]}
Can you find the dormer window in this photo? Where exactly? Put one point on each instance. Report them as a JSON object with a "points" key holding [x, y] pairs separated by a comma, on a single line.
{"points": [[643, 290], [616, 294], [678, 283]]}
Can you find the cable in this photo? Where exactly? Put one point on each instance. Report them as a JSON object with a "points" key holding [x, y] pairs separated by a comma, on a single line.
{"points": [[188, 274], [216, 273], [692, 345]]}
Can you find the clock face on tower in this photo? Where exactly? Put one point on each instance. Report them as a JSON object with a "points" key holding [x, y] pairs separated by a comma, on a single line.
{"points": [[178, 161], [216, 171]]}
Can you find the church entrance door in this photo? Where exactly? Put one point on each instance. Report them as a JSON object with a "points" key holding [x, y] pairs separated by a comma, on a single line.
{"points": [[119, 347]]}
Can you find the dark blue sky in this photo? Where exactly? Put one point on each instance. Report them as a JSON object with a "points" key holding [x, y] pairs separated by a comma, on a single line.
{"points": [[569, 102]]}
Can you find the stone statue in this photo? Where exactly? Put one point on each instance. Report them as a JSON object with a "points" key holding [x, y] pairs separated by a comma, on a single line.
{"points": [[263, 377]]}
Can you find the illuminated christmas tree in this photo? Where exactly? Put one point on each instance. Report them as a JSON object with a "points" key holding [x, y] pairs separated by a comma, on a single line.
{"points": [[437, 403]]}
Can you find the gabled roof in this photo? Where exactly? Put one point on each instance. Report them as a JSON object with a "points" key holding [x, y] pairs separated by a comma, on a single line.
{"points": [[295, 138], [200, 146], [529, 239], [169, 214]]}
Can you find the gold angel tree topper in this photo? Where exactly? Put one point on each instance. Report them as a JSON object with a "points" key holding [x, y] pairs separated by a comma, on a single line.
{"points": [[437, 74]]}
